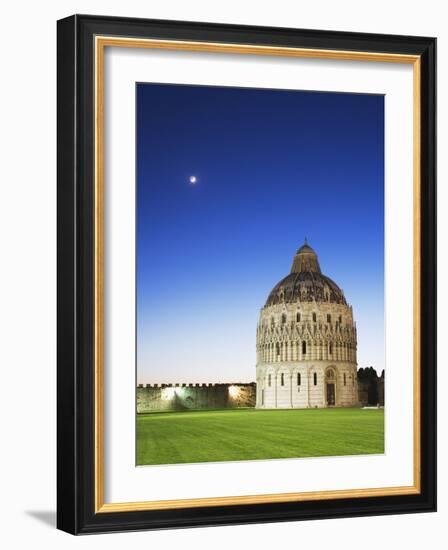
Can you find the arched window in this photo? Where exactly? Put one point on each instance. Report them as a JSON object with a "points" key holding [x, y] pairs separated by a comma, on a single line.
{"points": [[330, 351], [269, 380], [298, 317], [304, 347], [277, 348], [299, 379], [283, 318], [314, 317], [340, 318], [272, 321], [345, 379], [315, 379], [328, 318], [282, 379]]}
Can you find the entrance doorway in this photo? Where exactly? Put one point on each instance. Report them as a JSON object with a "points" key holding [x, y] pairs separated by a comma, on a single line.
{"points": [[330, 395]]}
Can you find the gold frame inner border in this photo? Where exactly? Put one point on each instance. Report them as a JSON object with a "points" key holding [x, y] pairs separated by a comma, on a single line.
{"points": [[101, 42]]}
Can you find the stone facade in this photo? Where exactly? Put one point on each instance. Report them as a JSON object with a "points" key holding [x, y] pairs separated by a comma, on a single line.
{"points": [[180, 397], [306, 342]]}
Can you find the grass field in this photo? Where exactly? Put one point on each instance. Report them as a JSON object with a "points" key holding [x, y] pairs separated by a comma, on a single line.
{"points": [[251, 434]]}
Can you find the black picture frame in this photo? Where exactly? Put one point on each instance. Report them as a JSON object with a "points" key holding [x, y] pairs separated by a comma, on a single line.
{"points": [[76, 263]]}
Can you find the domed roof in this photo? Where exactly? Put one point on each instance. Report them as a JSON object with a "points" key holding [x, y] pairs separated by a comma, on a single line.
{"points": [[306, 283]]}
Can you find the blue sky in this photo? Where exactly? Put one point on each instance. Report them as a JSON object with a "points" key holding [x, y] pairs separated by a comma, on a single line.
{"points": [[272, 167]]}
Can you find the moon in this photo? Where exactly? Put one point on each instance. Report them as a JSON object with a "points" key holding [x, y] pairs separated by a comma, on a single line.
{"points": [[193, 179]]}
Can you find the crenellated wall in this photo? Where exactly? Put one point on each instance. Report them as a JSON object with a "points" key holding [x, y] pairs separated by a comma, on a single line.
{"points": [[159, 397], [368, 387]]}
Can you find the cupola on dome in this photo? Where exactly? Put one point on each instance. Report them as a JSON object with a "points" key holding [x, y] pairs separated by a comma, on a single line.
{"points": [[306, 282]]}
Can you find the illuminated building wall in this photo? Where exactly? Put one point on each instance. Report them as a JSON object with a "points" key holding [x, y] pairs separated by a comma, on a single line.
{"points": [[155, 397]]}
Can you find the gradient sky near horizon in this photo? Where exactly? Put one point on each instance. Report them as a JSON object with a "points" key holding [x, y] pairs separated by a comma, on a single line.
{"points": [[272, 167]]}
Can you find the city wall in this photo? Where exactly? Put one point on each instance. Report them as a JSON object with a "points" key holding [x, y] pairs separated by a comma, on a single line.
{"points": [[180, 397]]}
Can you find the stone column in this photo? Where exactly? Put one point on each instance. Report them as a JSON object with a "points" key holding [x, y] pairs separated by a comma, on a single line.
{"points": [[308, 386], [290, 389], [275, 387]]}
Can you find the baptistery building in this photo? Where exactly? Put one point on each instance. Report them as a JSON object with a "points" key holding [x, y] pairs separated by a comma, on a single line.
{"points": [[306, 341]]}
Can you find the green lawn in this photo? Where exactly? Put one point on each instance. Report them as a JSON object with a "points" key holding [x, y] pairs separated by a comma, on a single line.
{"points": [[251, 434]]}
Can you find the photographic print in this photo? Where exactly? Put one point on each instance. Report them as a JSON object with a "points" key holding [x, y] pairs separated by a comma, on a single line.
{"points": [[246, 274], [260, 274]]}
